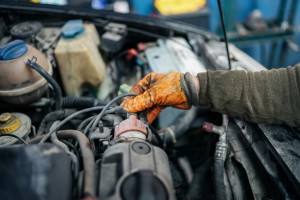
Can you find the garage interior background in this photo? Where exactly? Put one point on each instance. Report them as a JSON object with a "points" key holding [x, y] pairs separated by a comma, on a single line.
{"points": [[267, 30]]}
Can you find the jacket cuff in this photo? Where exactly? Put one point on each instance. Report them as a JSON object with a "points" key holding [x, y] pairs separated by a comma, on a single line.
{"points": [[203, 99], [189, 88]]}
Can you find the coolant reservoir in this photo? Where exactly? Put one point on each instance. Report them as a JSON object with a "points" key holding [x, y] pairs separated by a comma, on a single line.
{"points": [[80, 63], [19, 84]]}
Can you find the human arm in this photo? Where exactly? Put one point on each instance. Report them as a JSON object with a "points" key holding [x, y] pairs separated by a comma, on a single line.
{"points": [[267, 96], [271, 96]]}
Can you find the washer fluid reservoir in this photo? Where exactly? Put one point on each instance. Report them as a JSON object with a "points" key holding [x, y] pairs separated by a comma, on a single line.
{"points": [[80, 63], [19, 84]]}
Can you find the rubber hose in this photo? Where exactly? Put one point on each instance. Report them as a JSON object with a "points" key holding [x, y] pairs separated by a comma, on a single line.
{"points": [[219, 179], [52, 117], [51, 81], [183, 122], [56, 141], [179, 127]]}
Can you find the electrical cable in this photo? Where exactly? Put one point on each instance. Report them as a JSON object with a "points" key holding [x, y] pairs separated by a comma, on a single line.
{"points": [[87, 128], [58, 94], [92, 121], [55, 140], [85, 122], [81, 102], [46, 137], [52, 117], [72, 147], [69, 118], [98, 118], [225, 34], [14, 136]]}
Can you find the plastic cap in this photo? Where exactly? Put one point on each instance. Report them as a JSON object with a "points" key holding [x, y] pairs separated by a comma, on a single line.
{"points": [[72, 28], [13, 50], [4, 117], [9, 123]]}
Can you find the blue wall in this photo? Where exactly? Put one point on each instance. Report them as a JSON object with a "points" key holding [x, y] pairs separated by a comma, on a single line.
{"points": [[238, 10]]}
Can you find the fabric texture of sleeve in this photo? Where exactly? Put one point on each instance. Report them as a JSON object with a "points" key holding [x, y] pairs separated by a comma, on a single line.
{"points": [[271, 96]]}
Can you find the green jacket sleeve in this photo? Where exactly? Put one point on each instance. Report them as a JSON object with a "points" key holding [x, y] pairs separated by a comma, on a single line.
{"points": [[271, 96]]}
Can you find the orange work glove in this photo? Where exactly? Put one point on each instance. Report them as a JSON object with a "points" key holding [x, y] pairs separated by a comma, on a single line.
{"points": [[155, 92]]}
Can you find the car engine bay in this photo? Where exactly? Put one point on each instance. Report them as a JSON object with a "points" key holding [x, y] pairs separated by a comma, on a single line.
{"points": [[64, 135]]}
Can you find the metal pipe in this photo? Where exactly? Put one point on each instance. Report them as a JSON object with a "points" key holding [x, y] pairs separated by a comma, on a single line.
{"points": [[220, 156]]}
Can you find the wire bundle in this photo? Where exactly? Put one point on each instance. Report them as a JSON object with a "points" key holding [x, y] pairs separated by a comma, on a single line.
{"points": [[94, 122]]}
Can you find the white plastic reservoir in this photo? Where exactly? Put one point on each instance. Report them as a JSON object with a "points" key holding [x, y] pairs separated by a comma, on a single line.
{"points": [[79, 61]]}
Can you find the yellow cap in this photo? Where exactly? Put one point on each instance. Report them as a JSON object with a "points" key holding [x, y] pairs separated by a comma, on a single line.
{"points": [[176, 7], [9, 123]]}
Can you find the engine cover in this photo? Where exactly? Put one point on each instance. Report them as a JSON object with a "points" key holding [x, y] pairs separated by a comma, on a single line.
{"points": [[135, 171]]}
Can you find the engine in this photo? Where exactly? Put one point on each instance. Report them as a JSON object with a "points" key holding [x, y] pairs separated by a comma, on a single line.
{"points": [[60, 113], [64, 135]]}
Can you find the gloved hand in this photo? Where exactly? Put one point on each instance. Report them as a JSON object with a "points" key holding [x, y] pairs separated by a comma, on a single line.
{"points": [[157, 91]]}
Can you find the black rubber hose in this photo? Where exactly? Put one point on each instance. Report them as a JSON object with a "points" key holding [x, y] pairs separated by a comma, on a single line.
{"points": [[156, 138], [58, 95], [81, 102], [219, 179], [179, 127], [52, 117]]}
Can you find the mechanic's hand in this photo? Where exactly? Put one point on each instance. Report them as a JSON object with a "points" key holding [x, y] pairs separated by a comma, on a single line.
{"points": [[155, 92]]}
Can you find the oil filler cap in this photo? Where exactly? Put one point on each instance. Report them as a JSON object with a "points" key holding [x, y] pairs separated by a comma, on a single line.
{"points": [[13, 50], [9, 123]]}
